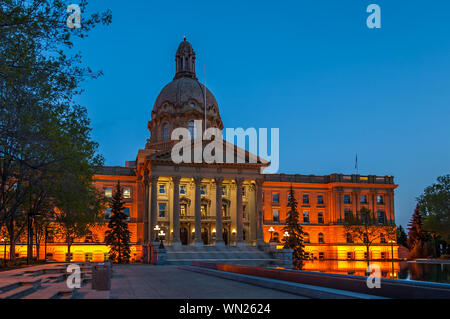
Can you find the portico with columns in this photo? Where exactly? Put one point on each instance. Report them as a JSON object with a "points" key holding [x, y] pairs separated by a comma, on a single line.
{"points": [[218, 203]]}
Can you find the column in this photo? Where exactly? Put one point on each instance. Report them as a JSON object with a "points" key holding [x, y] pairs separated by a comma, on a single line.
{"points": [[153, 207], [259, 213], [176, 211], [219, 235], [198, 212], [146, 208], [239, 213]]}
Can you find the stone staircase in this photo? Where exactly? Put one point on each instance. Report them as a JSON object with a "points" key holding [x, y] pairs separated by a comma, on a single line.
{"points": [[42, 283], [235, 255]]}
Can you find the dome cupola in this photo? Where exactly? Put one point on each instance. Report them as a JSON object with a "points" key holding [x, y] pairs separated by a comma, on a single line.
{"points": [[183, 100]]}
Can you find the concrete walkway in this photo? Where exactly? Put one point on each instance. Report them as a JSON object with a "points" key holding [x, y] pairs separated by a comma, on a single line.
{"points": [[168, 282]]}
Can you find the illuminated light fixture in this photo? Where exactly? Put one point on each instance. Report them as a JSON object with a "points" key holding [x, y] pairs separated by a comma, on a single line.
{"points": [[214, 230], [193, 230], [233, 231], [271, 230]]}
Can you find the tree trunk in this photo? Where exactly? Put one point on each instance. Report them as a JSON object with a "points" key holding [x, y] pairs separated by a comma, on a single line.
{"points": [[368, 256], [12, 241]]}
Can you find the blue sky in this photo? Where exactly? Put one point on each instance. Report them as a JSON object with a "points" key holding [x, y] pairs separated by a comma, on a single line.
{"points": [[312, 68]]}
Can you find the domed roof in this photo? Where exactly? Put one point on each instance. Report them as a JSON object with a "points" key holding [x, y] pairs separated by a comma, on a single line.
{"points": [[182, 92], [182, 101]]}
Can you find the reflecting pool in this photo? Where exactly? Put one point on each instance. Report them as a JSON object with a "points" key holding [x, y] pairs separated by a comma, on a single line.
{"points": [[396, 270]]}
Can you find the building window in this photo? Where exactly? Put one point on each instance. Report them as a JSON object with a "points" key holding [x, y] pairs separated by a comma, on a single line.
{"points": [[365, 255], [203, 190], [108, 213], [347, 199], [320, 218], [382, 239], [276, 237], [127, 193], [244, 191], [349, 255], [348, 215], [275, 197], [383, 255], [224, 211], [162, 188], [191, 128], [203, 210], [349, 238], [305, 199], [182, 189], [306, 217], [380, 200], [183, 209], [363, 199], [319, 199], [381, 217], [162, 210], [224, 190], [165, 132], [108, 192], [276, 216], [126, 211], [321, 255], [321, 241], [306, 238]]}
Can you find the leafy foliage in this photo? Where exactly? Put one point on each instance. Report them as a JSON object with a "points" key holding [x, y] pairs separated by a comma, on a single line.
{"points": [[294, 229], [367, 229], [118, 235]]}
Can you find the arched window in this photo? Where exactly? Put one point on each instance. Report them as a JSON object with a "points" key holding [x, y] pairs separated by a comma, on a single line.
{"points": [[349, 238], [321, 241], [165, 132], [306, 238], [191, 128], [186, 64]]}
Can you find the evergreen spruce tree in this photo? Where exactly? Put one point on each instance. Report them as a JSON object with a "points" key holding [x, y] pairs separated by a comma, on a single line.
{"points": [[295, 239], [416, 234], [118, 235], [402, 238]]}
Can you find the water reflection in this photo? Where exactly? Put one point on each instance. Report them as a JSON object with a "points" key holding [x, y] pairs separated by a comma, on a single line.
{"points": [[395, 270]]}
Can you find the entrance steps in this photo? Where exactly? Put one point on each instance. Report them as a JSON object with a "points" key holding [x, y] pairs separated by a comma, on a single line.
{"points": [[233, 255]]}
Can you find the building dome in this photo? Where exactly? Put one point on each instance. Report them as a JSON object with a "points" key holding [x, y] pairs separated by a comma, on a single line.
{"points": [[182, 101]]}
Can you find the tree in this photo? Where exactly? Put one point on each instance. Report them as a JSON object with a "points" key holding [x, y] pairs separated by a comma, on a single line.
{"points": [[295, 233], [402, 238], [79, 207], [39, 76], [417, 237], [367, 229], [118, 236], [434, 206]]}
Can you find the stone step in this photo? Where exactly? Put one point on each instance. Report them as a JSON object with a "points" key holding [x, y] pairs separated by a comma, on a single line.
{"points": [[19, 292]]}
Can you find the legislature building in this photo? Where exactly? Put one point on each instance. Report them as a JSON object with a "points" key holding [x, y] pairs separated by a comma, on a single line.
{"points": [[226, 204]]}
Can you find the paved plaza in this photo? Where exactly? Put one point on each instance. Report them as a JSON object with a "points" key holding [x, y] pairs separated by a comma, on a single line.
{"points": [[169, 282]]}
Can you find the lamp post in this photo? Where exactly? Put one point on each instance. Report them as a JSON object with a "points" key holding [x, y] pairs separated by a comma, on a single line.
{"points": [[286, 237], [233, 232], [161, 237], [271, 230], [156, 229]]}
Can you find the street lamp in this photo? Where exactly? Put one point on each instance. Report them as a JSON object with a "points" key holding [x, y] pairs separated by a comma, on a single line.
{"points": [[271, 230], [156, 229], [161, 237], [286, 237]]}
